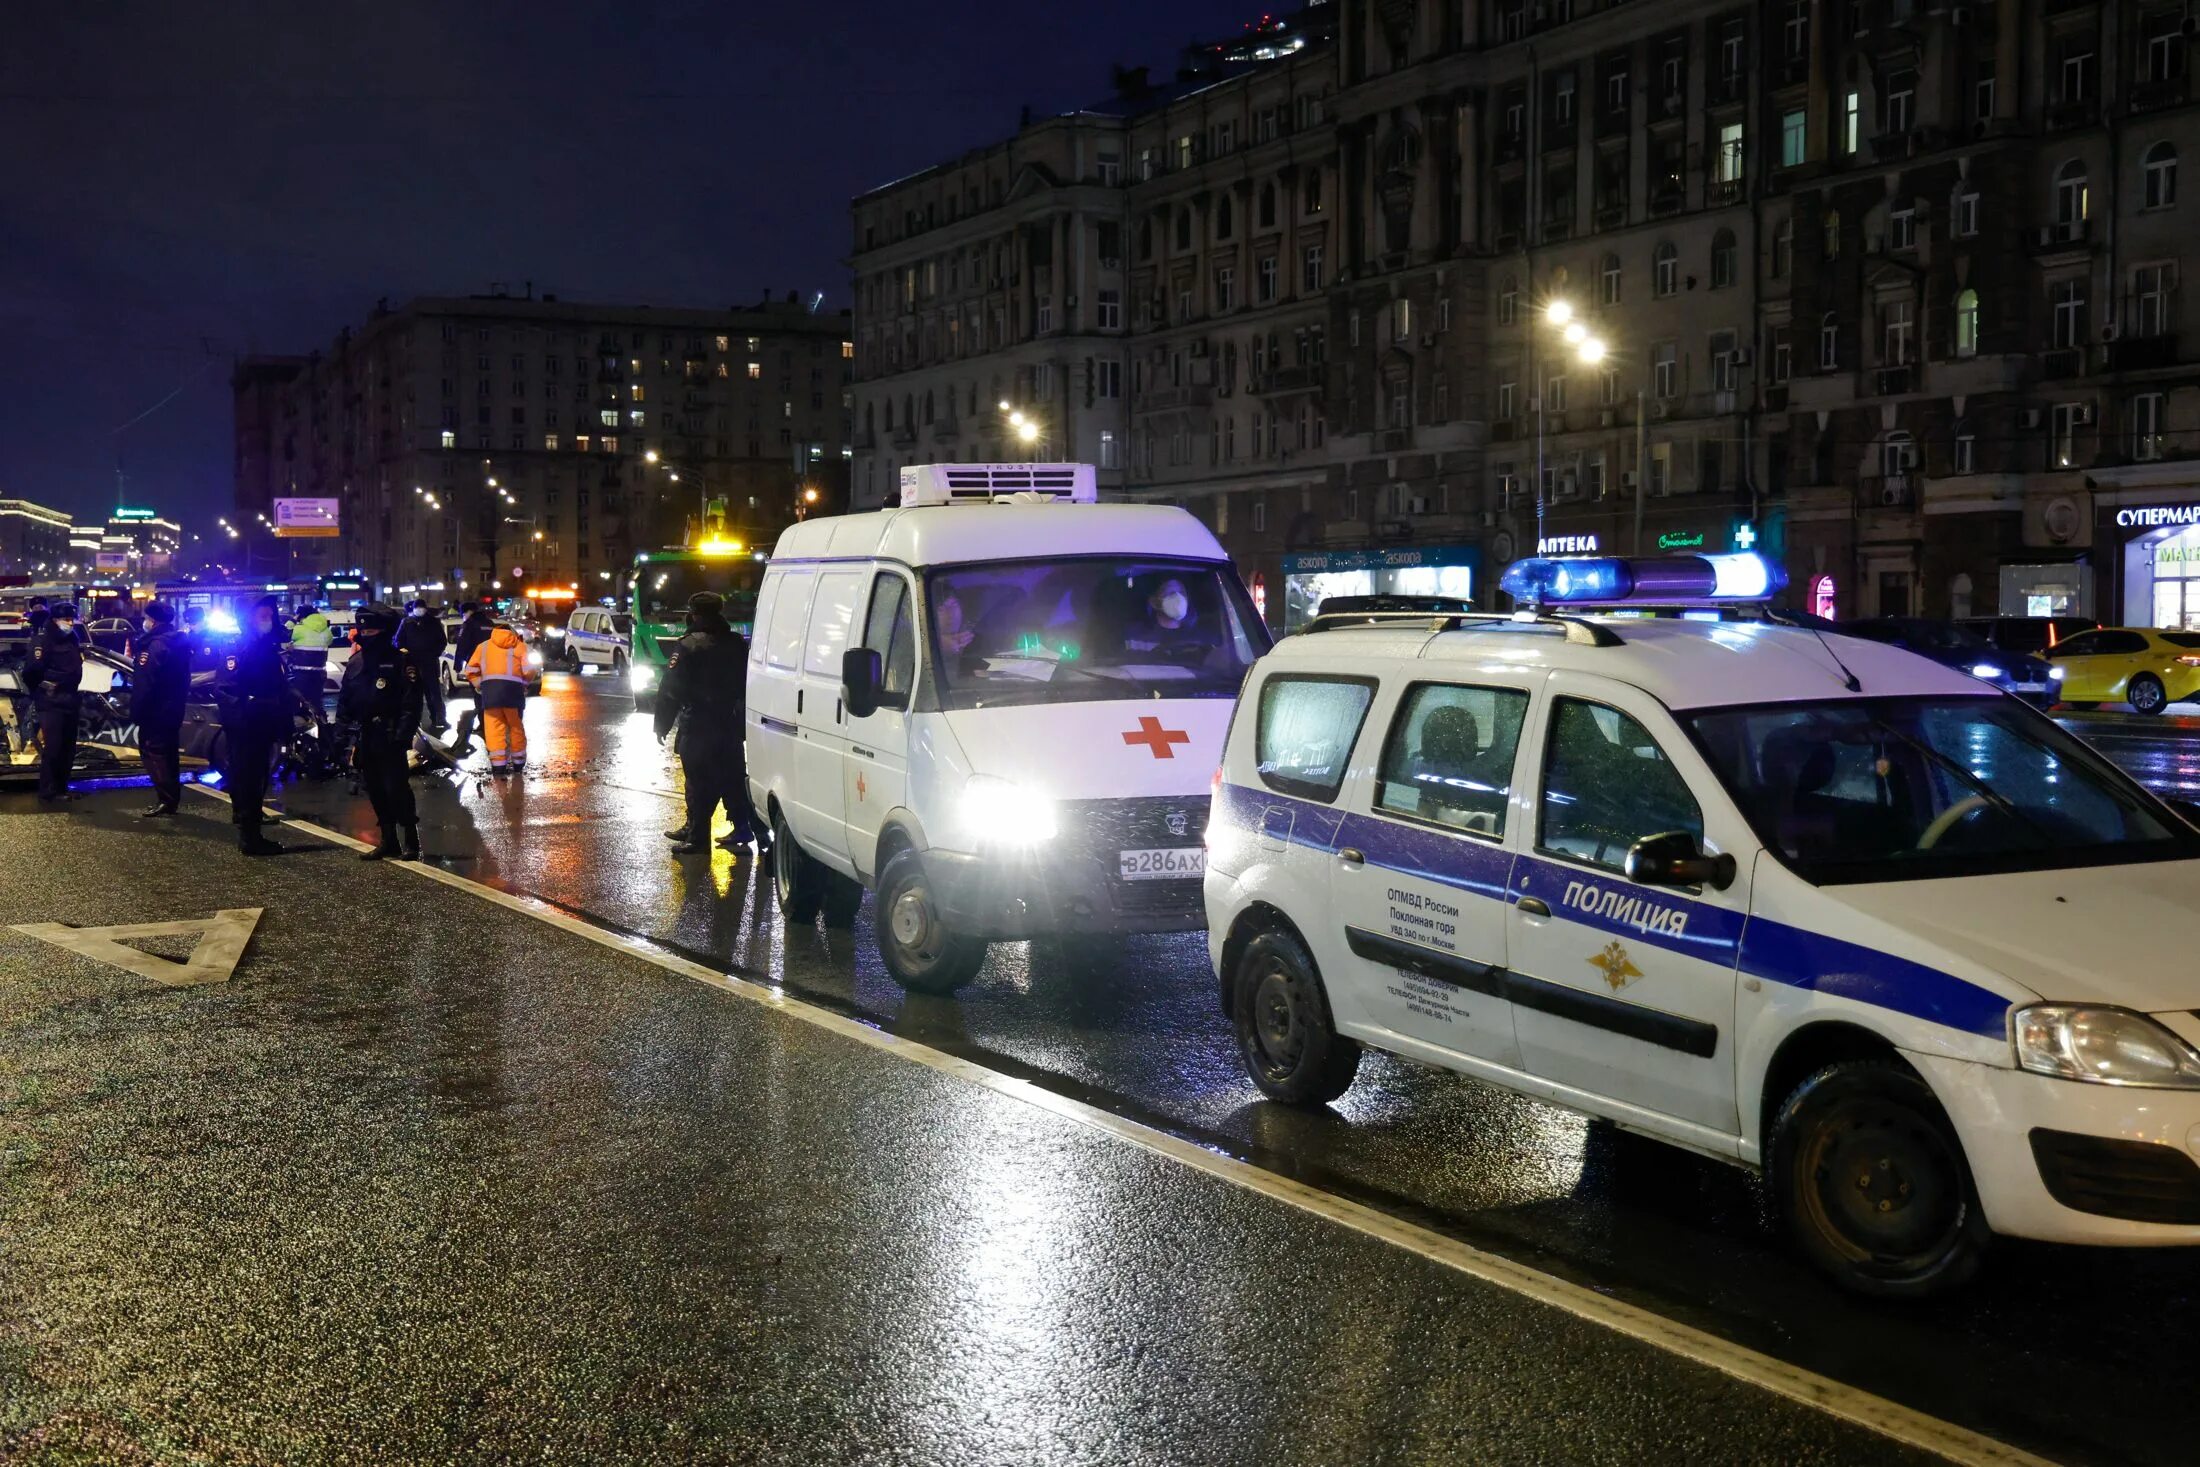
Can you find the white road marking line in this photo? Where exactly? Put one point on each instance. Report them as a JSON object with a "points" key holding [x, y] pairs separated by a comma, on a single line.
{"points": [[1861, 1408], [222, 938]]}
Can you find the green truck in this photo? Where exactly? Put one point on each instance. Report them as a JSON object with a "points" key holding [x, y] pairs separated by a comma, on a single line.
{"points": [[663, 582]]}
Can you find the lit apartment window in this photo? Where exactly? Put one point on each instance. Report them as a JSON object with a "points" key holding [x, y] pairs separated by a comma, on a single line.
{"points": [[550, 442], [450, 439], [756, 371], [1967, 323], [1965, 456], [1794, 138], [847, 350]]}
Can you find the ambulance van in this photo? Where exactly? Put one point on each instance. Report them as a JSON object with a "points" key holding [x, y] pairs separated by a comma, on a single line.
{"points": [[999, 707], [1802, 902]]}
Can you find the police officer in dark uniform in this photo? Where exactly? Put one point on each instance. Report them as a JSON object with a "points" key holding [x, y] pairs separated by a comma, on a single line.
{"points": [[55, 673], [381, 693], [472, 632], [160, 678], [421, 638], [705, 694], [256, 699]]}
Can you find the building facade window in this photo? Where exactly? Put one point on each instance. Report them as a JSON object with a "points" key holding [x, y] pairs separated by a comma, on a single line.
{"points": [[2072, 200], [1966, 323], [1963, 457], [2069, 303], [2150, 289], [1722, 259], [1608, 281], [1794, 138], [1665, 270], [1829, 342], [2158, 170], [2145, 417]]}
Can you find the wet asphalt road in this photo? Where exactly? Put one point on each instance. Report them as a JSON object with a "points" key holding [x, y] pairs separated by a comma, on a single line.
{"points": [[431, 1181], [2075, 1354], [2029, 1355]]}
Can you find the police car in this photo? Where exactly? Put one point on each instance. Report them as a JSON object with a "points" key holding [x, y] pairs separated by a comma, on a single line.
{"points": [[1794, 900]]}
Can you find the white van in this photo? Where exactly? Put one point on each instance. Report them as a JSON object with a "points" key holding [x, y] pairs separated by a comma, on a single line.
{"points": [[1000, 707]]}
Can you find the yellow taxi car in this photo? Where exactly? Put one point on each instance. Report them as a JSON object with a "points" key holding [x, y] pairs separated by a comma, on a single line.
{"points": [[2147, 669]]}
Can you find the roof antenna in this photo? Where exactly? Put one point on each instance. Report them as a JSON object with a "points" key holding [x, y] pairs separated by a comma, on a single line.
{"points": [[1847, 677]]}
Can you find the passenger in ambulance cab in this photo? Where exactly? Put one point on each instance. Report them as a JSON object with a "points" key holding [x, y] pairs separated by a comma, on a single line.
{"points": [[1171, 625], [955, 637]]}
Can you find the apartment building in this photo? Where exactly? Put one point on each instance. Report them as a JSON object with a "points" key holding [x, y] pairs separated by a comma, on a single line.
{"points": [[516, 439], [34, 540], [993, 288], [1890, 290]]}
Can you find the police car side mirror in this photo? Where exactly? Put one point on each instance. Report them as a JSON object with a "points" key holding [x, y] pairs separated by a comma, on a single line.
{"points": [[861, 672], [1674, 859]]}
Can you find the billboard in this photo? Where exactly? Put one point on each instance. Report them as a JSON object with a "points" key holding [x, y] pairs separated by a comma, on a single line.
{"points": [[111, 560], [305, 518]]}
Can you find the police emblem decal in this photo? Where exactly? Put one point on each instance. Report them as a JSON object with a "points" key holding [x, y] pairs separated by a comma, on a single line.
{"points": [[1178, 822], [1613, 963]]}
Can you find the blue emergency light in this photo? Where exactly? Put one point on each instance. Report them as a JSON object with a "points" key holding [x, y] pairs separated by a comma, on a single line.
{"points": [[1675, 580]]}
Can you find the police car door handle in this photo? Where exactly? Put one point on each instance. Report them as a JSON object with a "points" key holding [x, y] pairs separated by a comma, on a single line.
{"points": [[1352, 857], [1533, 907]]}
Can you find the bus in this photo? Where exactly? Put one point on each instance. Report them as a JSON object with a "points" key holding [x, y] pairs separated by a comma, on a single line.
{"points": [[663, 582]]}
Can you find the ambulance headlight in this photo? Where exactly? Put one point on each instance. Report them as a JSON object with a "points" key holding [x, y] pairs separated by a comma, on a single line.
{"points": [[999, 813], [2103, 1046], [534, 658], [641, 677]]}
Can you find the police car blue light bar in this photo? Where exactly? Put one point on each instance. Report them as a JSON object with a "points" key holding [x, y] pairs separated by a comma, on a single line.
{"points": [[1677, 580]]}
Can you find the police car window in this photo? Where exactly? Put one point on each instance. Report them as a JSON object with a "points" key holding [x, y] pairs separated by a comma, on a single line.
{"points": [[888, 631], [1607, 784], [1905, 789], [1449, 758], [1307, 728]]}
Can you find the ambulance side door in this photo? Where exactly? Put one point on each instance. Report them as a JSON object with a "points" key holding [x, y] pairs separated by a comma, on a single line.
{"points": [[1620, 989], [1420, 886], [822, 781], [876, 776]]}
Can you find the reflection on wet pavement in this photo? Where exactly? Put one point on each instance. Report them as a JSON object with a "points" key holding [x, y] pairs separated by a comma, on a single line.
{"points": [[1134, 1026]]}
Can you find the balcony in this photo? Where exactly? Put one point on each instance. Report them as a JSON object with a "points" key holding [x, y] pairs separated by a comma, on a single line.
{"points": [[1794, 70], [2152, 96], [1292, 382], [2077, 112], [1727, 89], [2066, 235], [1558, 227], [1887, 491], [1611, 215], [1894, 144], [1511, 147], [1177, 399], [2062, 362], [2140, 353], [1666, 201], [1723, 191], [904, 436], [1894, 381]]}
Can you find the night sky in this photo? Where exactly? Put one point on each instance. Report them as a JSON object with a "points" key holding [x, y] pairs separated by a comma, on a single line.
{"points": [[185, 183]]}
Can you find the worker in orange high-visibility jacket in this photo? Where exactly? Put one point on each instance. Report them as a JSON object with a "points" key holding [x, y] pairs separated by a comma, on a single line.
{"points": [[498, 671]]}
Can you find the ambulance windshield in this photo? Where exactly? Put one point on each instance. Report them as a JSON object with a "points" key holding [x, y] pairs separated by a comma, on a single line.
{"points": [[1904, 789], [1089, 630]]}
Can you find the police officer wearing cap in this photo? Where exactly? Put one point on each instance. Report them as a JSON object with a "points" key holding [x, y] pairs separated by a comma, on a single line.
{"points": [[381, 693], [421, 638], [255, 696], [705, 694], [55, 673], [159, 680]]}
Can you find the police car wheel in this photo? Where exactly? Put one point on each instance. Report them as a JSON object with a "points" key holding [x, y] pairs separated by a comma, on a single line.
{"points": [[1291, 1049], [923, 953], [796, 879], [1872, 1181], [2147, 694]]}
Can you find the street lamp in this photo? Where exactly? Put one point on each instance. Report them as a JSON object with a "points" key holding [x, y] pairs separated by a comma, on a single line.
{"points": [[1589, 350]]}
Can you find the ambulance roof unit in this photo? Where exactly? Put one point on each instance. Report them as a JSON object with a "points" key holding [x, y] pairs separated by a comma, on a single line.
{"points": [[956, 513]]}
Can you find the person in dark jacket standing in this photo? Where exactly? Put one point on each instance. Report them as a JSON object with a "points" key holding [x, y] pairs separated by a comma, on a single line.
{"points": [[256, 700], [472, 632], [160, 677], [421, 638], [381, 693], [705, 694], [55, 674]]}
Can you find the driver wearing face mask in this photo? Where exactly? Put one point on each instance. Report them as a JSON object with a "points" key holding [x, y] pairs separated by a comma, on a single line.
{"points": [[1169, 622]]}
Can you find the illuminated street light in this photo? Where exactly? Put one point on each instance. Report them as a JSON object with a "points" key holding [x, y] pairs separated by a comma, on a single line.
{"points": [[1560, 311], [1576, 332], [1004, 404], [1027, 430], [650, 457], [809, 496], [1591, 351]]}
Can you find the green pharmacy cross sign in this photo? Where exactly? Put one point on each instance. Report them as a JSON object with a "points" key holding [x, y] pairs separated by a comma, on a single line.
{"points": [[1680, 540]]}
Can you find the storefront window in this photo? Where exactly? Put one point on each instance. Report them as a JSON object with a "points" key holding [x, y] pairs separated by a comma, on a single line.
{"points": [[1822, 599]]}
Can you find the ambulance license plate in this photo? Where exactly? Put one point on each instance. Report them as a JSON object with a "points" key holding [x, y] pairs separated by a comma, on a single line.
{"points": [[1170, 864]]}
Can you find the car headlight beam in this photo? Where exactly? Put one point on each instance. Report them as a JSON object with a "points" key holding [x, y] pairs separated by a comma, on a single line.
{"points": [[996, 812], [1987, 670], [641, 677], [2102, 1046]]}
